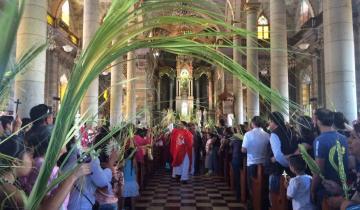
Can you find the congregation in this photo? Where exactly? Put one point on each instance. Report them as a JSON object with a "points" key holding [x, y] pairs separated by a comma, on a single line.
{"points": [[109, 178]]}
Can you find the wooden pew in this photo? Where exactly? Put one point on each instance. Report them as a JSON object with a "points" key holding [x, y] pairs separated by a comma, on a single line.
{"points": [[243, 182], [279, 200], [258, 188]]}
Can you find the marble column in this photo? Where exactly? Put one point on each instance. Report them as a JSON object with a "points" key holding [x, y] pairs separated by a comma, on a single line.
{"points": [[158, 91], [252, 99], [211, 94], [239, 99], [54, 81], [339, 57], [90, 102], [130, 89], [116, 92], [30, 85], [171, 100], [279, 54], [197, 86]]}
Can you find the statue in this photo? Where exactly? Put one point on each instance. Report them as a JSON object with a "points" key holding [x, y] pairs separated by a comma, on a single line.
{"points": [[198, 117], [204, 116]]}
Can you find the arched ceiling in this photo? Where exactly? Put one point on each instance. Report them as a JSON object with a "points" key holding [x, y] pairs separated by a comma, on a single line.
{"points": [[76, 10]]}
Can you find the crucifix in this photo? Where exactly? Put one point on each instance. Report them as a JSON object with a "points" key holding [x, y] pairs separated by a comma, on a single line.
{"points": [[17, 102]]}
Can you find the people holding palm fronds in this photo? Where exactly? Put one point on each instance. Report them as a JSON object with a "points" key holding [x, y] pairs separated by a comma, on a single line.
{"points": [[324, 119], [283, 143], [131, 187]]}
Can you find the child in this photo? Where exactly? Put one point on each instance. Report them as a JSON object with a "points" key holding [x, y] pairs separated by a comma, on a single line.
{"points": [[131, 187], [299, 187], [106, 196]]}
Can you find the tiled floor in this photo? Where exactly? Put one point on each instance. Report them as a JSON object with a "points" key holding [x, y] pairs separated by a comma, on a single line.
{"points": [[200, 193]]}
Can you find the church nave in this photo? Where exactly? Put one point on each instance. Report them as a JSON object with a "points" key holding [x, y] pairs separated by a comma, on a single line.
{"points": [[200, 193]]}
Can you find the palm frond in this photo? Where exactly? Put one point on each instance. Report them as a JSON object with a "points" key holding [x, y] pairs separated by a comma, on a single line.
{"points": [[342, 175], [314, 168]]}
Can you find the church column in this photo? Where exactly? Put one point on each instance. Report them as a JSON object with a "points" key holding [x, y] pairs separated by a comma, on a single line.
{"points": [[30, 85], [197, 86], [279, 57], [239, 104], [116, 92], [90, 25], [211, 94], [54, 81], [130, 89], [158, 105], [339, 57], [253, 107], [171, 100]]}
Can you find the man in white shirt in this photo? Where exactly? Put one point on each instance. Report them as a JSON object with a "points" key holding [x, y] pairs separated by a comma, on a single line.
{"points": [[255, 144]]}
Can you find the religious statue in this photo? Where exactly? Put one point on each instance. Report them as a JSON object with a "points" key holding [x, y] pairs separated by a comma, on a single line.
{"points": [[204, 116], [198, 117]]}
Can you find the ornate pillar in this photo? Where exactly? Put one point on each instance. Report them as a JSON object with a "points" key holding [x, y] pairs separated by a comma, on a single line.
{"points": [[116, 92], [339, 57], [253, 106], [211, 94], [171, 100], [30, 85], [197, 86], [130, 89], [158, 105], [90, 25], [54, 81], [279, 54]]}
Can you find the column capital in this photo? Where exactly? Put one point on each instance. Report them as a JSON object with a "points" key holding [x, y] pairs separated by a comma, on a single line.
{"points": [[252, 6]]}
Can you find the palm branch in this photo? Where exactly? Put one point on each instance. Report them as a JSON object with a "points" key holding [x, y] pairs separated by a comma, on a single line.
{"points": [[342, 175], [313, 166]]}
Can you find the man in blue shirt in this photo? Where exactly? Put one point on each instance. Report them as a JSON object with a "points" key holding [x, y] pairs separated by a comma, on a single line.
{"points": [[324, 119]]}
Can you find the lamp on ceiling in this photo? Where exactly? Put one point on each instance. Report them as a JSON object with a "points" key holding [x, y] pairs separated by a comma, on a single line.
{"points": [[303, 46], [264, 71]]}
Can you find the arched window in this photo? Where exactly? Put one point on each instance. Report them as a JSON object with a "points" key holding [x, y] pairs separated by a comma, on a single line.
{"points": [[306, 12], [65, 13], [263, 28]]}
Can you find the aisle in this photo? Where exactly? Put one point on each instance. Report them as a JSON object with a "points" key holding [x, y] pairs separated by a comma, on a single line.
{"points": [[201, 193]]}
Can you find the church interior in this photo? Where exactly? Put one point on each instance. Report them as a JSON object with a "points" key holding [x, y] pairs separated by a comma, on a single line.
{"points": [[292, 57]]}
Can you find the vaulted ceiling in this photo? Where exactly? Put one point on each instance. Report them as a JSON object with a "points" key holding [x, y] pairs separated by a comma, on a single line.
{"points": [[76, 10]]}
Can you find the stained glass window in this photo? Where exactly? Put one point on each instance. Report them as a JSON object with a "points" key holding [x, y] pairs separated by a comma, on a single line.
{"points": [[65, 13], [305, 11], [263, 28]]}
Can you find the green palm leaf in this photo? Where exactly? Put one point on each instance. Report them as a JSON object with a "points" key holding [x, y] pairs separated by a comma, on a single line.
{"points": [[313, 166]]}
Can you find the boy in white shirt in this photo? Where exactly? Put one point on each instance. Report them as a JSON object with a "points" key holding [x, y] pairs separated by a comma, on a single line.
{"points": [[298, 189]]}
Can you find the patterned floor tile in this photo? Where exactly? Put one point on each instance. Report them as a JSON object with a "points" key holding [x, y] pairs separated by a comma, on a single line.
{"points": [[200, 193]]}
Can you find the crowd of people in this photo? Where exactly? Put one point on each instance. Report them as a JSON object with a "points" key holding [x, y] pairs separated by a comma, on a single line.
{"points": [[102, 180], [108, 178], [273, 145]]}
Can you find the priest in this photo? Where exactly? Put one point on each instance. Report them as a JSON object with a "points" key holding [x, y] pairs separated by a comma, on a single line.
{"points": [[181, 142]]}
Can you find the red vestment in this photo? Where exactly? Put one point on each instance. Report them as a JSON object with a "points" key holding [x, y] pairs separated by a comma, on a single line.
{"points": [[181, 141]]}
